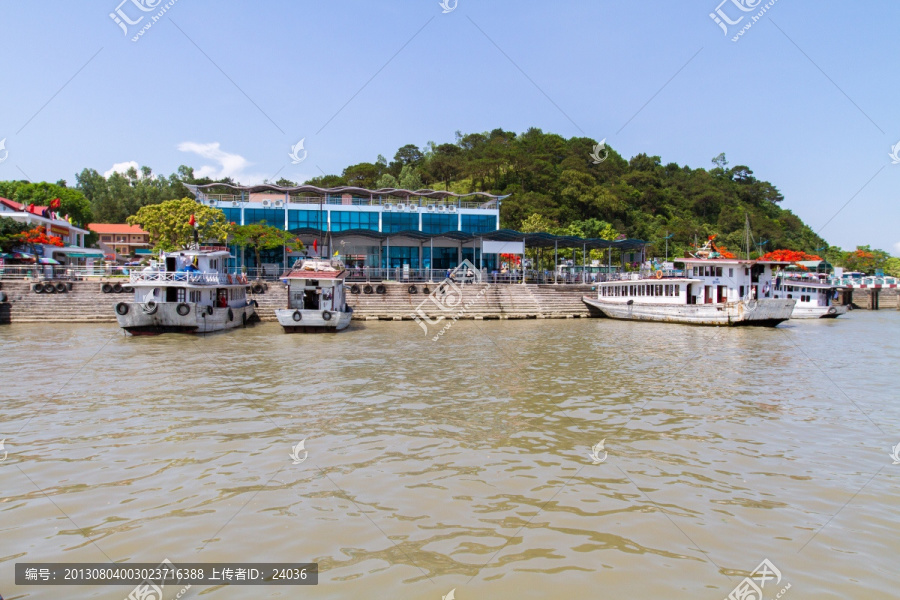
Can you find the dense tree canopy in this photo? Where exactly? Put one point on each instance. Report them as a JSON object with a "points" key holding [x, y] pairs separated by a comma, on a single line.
{"points": [[168, 223], [259, 237]]}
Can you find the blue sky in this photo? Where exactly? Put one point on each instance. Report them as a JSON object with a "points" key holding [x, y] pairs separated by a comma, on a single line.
{"points": [[807, 97]]}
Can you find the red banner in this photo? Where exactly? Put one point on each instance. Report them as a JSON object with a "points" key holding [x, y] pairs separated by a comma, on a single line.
{"points": [[59, 230]]}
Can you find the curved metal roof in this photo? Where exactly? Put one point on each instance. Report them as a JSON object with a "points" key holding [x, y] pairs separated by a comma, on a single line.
{"points": [[344, 189]]}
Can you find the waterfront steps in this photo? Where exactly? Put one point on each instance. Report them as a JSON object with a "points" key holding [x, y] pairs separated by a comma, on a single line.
{"points": [[84, 303]]}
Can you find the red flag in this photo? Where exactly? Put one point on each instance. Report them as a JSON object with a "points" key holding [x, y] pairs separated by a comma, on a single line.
{"points": [[315, 245], [54, 204], [192, 221]]}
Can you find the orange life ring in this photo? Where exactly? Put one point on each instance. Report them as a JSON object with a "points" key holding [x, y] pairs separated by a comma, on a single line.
{"points": [[659, 274]]}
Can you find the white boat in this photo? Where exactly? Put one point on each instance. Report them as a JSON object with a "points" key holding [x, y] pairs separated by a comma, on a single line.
{"points": [[709, 291], [317, 299], [189, 292], [814, 296]]}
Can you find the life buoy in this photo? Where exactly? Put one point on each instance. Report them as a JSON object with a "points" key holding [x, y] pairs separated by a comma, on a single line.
{"points": [[61, 288], [257, 289], [229, 278], [413, 289], [127, 288], [230, 315], [122, 308], [37, 288], [380, 289], [150, 307], [183, 309], [659, 274], [326, 315], [367, 289], [117, 288], [209, 310], [297, 316], [425, 290], [106, 288], [354, 289], [49, 288]]}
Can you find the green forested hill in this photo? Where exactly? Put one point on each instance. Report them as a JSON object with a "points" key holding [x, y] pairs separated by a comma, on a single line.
{"points": [[557, 179]]}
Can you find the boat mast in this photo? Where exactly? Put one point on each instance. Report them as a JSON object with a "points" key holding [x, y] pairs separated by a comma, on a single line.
{"points": [[747, 234]]}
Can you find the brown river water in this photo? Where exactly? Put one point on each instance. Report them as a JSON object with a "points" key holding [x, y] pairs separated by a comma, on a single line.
{"points": [[464, 463]]}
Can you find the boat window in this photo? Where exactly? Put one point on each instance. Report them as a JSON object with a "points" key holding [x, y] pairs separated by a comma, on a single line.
{"points": [[678, 290], [731, 272], [718, 271], [747, 272]]}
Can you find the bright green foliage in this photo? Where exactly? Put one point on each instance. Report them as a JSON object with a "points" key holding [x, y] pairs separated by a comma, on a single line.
{"points": [[117, 197], [168, 223], [260, 236], [72, 202]]}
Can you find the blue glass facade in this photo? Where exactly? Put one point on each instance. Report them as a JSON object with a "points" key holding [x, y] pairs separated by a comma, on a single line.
{"points": [[479, 223], [394, 222], [272, 216], [298, 219], [342, 220], [232, 215], [438, 223]]}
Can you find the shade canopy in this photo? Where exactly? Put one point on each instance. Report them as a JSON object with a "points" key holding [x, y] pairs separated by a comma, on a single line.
{"points": [[532, 240]]}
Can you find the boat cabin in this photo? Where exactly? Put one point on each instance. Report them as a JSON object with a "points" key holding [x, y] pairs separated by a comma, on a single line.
{"points": [[704, 281], [190, 276], [317, 285]]}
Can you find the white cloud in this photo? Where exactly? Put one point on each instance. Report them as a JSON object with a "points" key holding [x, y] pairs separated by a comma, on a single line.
{"points": [[227, 164], [122, 167]]}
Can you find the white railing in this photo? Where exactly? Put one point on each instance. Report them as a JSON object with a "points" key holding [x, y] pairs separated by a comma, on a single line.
{"points": [[179, 276]]}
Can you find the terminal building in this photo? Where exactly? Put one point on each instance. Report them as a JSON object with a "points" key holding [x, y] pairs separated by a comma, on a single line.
{"points": [[380, 229]]}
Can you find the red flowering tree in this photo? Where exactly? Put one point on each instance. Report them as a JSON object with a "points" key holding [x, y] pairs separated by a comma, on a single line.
{"points": [[36, 236], [511, 260]]}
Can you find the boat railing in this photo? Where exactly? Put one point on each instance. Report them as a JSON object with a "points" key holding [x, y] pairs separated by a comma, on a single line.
{"points": [[179, 277]]}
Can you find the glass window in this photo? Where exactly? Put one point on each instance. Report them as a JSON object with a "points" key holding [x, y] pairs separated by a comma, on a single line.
{"points": [[401, 255], [478, 223], [342, 220], [718, 271], [432, 223], [731, 272], [394, 222], [271, 216], [232, 215], [298, 219]]}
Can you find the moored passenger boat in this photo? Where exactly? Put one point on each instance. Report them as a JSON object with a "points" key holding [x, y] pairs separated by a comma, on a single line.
{"points": [[711, 290], [188, 292], [815, 296], [317, 299]]}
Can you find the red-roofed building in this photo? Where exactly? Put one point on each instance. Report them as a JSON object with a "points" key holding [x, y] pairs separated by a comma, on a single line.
{"points": [[53, 224], [121, 240]]}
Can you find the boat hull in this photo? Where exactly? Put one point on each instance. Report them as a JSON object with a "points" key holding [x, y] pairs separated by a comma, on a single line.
{"points": [[819, 312], [762, 313], [312, 321], [141, 319]]}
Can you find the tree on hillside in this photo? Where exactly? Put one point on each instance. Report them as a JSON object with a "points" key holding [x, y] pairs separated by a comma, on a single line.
{"points": [[260, 236], [168, 223]]}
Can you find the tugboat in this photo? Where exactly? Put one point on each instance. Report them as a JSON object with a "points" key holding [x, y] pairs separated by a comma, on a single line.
{"points": [[187, 291], [317, 299], [712, 290]]}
